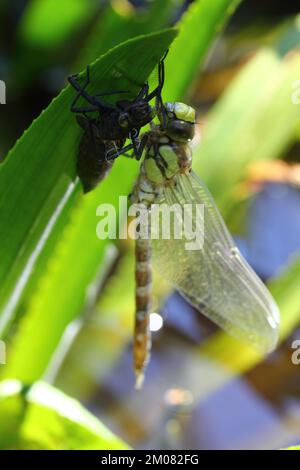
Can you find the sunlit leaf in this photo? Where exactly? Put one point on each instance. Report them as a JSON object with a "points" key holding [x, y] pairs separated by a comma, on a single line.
{"points": [[255, 119], [44, 418], [200, 26]]}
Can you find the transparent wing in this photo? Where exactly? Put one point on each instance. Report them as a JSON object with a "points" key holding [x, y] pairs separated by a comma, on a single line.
{"points": [[215, 278]]}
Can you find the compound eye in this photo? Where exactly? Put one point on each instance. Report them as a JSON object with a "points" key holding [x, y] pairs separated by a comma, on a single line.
{"points": [[180, 131], [124, 120]]}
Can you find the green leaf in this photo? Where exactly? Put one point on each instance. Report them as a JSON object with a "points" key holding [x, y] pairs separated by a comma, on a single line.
{"points": [[104, 333], [45, 418], [48, 23], [292, 448], [38, 175], [44, 34], [199, 27], [285, 289], [254, 119], [121, 21]]}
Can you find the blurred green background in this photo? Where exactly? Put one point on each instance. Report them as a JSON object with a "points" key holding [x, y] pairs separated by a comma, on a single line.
{"points": [[67, 298]]}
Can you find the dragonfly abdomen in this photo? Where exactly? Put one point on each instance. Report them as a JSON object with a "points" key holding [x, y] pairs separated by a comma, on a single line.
{"points": [[142, 337], [145, 191]]}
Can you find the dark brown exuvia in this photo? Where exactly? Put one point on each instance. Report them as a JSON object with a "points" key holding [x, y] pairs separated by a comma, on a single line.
{"points": [[105, 133]]}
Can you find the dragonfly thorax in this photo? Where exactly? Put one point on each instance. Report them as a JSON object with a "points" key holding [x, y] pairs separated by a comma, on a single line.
{"points": [[167, 153], [165, 159]]}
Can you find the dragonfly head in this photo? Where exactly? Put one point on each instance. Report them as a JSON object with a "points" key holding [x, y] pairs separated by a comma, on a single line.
{"points": [[180, 125]]}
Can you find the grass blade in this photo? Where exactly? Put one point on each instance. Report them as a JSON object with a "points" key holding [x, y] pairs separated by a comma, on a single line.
{"points": [[43, 418]]}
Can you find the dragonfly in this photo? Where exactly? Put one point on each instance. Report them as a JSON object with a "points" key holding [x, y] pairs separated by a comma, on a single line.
{"points": [[215, 278], [105, 135]]}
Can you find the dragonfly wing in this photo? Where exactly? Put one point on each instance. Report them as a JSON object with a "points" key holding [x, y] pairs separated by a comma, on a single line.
{"points": [[215, 278]]}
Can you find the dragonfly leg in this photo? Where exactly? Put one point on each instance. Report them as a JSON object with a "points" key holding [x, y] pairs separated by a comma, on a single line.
{"points": [[142, 334], [137, 147], [115, 153], [157, 92], [161, 80], [143, 92], [72, 79], [96, 104], [138, 152], [133, 135]]}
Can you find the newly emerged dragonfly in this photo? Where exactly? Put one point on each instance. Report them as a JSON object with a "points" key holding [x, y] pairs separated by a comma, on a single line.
{"points": [[214, 278], [106, 132]]}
